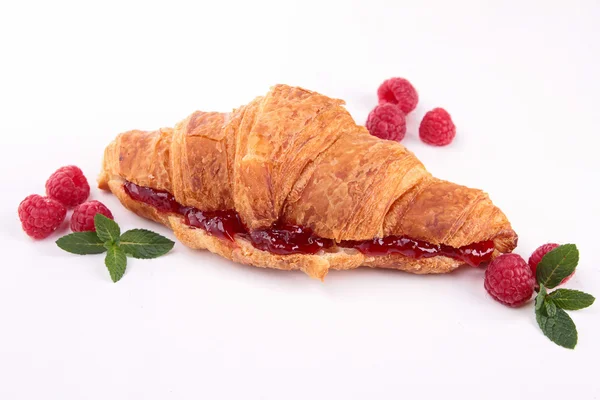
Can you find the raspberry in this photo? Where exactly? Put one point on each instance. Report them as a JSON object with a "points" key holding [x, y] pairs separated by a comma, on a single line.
{"points": [[387, 121], [509, 280], [40, 216], [437, 128], [537, 256], [398, 91], [68, 185], [83, 215]]}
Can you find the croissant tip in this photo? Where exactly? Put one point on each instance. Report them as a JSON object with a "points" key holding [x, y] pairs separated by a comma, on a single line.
{"points": [[506, 241], [103, 181]]}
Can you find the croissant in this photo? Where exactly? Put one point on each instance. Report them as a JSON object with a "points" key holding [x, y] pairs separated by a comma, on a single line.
{"points": [[289, 181]]}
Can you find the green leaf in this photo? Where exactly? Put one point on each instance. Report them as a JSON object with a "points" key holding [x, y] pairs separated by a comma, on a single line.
{"points": [[559, 328], [539, 299], [142, 243], [106, 229], [557, 265], [81, 243], [569, 299], [549, 307], [116, 262]]}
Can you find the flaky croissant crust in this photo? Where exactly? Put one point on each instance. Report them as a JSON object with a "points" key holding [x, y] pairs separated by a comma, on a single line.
{"points": [[297, 156]]}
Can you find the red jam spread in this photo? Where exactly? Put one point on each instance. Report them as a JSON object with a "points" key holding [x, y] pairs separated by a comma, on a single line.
{"points": [[473, 254], [294, 239], [159, 199], [288, 239], [223, 224]]}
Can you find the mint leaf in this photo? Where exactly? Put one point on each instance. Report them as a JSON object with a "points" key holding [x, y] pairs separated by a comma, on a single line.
{"points": [[539, 299], [81, 243], [557, 265], [569, 299], [549, 308], [142, 243], [559, 328], [116, 262], [106, 229]]}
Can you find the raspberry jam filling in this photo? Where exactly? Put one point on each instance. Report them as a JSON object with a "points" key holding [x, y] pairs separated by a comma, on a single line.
{"points": [[288, 239], [473, 254], [161, 200], [294, 239], [223, 224], [278, 239]]}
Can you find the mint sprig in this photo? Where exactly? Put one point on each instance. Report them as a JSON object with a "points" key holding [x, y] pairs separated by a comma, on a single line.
{"points": [[569, 299], [549, 308], [559, 328], [556, 324], [142, 243], [82, 243], [557, 265], [116, 262], [137, 243], [541, 296], [106, 229]]}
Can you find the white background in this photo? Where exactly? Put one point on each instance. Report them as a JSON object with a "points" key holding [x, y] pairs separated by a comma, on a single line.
{"points": [[521, 82]]}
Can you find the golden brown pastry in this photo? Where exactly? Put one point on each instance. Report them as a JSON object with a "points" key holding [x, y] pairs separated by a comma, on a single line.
{"points": [[295, 157]]}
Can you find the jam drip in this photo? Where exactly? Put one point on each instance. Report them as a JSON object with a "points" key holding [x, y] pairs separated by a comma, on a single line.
{"points": [[473, 254], [284, 238]]}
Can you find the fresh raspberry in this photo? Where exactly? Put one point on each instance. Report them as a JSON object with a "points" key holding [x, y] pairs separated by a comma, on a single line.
{"points": [[83, 215], [40, 216], [437, 128], [537, 256], [398, 91], [68, 185], [509, 280], [387, 121]]}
